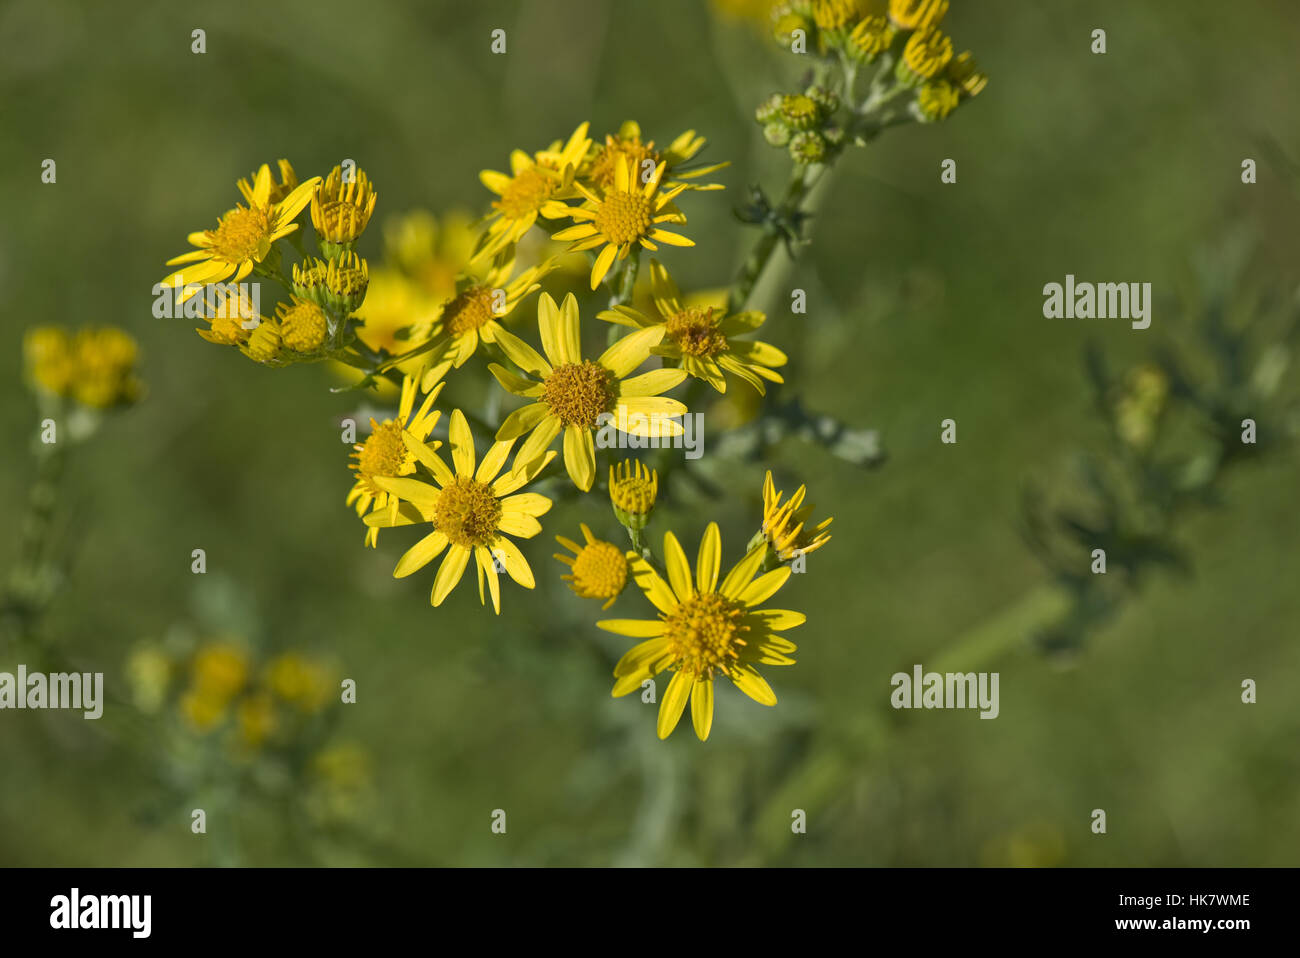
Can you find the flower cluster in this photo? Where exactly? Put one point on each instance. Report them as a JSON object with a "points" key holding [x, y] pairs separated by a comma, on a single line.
{"points": [[498, 297], [94, 367], [914, 72]]}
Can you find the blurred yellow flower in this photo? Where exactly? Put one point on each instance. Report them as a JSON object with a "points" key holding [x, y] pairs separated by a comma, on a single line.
{"points": [[599, 567], [255, 718], [574, 392], [300, 681], [704, 629], [472, 512], [96, 366]]}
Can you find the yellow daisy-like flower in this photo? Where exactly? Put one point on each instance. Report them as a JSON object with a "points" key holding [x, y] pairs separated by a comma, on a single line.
{"points": [[926, 53], [701, 338], [704, 628], [625, 214], [231, 318], [386, 453], [633, 489], [936, 99], [573, 392], [836, 15], [472, 512], [300, 681], [784, 523], [870, 38], [432, 250], [532, 182], [243, 237], [341, 210], [397, 315], [599, 567], [916, 14], [96, 366], [279, 191], [480, 303], [255, 716], [599, 169]]}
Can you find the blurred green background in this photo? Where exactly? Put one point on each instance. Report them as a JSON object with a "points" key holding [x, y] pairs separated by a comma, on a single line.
{"points": [[924, 303]]}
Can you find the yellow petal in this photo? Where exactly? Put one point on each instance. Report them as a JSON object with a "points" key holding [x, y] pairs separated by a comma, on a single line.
{"points": [[673, 703], [522, 355], [702, 707], [679, 570], [652, 383], [743, 572], [633, 628], [462, 444], [514, 561], [765, 586], [649, 581], [709, 559], [449, 573], [630, 351], [580, 456], [752, 684]]}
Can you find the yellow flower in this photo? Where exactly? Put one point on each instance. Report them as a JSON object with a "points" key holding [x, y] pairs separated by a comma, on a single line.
{"points": [[95, 367], [1140, 403], [936, 99], [916, 14], [105, 360], [231, 318], [783, 523], [472, 512], [255, 717], [479, 305], [926, 53], [202, 711], [599, 567], [573, 392], [299, 681], [340, 210], [263, 344], [219, 670], [339, 283], [243, 236], [836, 14], [48, 358], [397, 316], [149, 673], [598, 171], [700, 337], [963, 72], [385, 453], [704, 629], [431, 250], [279, 191], [303, 325], [531, 183], [625, 214], [633, 489], [871, 37]]}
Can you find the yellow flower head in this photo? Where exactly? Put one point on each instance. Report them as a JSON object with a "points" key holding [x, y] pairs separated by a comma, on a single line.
{"points": [[926, 53], [431, 250], [633, 489], [625, 214], [386, 453], [304, 326], [255, 717], [231, 318], [871, 37], [473, 511], [339, 283], [936, 99], [474, 314], [916, 14], [242, 238], [964, 73], [96, 366], [704, 629], [263, 344], [340, 210], [1140, 403], [599, 567], [279, 191], [300, 681], [701, 338], [573, 394], [836, 15], [784, 523], [397, 316], [532, 182], [219, 670], [598, 171]]}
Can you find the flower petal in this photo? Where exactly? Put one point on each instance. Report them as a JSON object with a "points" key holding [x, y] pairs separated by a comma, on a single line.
{"points": [[702, 707], [710, 558], [673, 703]]}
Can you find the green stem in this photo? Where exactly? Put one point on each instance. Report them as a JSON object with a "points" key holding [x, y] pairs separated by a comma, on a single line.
{"points": [[1036, 610], [801, 182]]}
